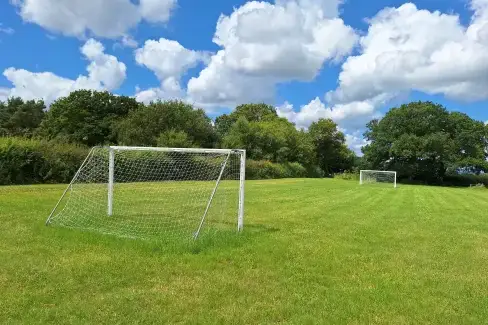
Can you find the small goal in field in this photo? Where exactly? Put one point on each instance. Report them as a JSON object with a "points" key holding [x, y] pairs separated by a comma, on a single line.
{"points": [[143, 192], [378, 177]]}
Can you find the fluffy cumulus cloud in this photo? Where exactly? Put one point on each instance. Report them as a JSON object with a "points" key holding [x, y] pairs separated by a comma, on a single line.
{"points": [[266, 43], [105, 72], [405, 49], [107, 18], [356, 142], [169, 60], [349, 115], [410, 49]]}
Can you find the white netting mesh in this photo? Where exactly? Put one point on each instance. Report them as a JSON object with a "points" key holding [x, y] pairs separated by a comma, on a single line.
{"points": [[378, 177], [156, 194]]}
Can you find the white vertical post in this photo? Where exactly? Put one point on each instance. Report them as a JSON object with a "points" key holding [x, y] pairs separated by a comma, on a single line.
{"points": [[111, 166], [394, 185], [361, 177], [242, 178]]}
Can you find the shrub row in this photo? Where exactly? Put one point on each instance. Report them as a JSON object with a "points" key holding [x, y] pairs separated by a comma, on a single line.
{"points": [[348, 176], [465, 180], [265, 169], [32, 161]]}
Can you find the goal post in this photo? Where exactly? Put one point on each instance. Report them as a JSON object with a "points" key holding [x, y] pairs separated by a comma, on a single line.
{"points": [[154, 192], [378, 177]]}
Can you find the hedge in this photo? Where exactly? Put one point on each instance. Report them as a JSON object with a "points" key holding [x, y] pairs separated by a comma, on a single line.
{"points": [[33, 161]]}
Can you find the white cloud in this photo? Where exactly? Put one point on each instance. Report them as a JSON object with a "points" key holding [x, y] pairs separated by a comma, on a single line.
{"points": [[104, 69], [157, 10], [169, 60], [264, 44], [351, 115], [4, 92], [107, 18], [128, 41], [410, 49], [105, 72], [6, 30], [355, 142]]}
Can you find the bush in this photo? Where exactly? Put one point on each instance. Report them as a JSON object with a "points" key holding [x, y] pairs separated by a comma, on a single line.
{"points": [[31, 161], [465, 180], [265, 169], [349, 176]]}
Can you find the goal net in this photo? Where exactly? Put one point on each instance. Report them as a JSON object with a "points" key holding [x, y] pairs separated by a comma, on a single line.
{"points": [[142, 192], [377, 177]]}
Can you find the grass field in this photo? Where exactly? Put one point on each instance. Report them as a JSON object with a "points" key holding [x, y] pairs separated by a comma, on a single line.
{"points": [[312, 252]]}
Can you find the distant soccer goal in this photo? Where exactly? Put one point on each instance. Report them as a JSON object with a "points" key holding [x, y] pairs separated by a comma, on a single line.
{"points": [[143, 192], [378, 177]]}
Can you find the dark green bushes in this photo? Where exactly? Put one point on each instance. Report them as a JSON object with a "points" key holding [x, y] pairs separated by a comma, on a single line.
{"points": [[264, 169], [30, 161], [33, 161]]}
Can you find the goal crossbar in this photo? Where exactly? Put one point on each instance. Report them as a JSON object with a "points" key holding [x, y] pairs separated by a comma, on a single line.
{"points": [[187, 150]]}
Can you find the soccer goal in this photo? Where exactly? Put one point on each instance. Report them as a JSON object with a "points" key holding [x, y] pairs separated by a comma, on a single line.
{"points": [[143, 192], [377, 177]]}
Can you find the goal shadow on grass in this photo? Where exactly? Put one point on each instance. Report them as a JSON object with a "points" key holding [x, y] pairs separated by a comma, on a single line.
{"points": [[228, 239], [210, 239]]}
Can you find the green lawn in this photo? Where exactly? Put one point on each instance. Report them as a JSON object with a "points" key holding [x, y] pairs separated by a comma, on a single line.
{"points": [[312, 252]]}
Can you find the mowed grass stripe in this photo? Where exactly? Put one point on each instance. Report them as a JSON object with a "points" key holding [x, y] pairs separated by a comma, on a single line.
{"points": [[313, 251]]}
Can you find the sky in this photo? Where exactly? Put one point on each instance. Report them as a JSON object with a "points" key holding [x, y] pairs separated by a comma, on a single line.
{"points": [[348, 60]]}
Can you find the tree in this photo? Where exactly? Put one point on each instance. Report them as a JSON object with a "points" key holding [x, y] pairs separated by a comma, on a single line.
{"points": [[421, 140], [276, 140], [332, 154], [174, 139], [251, 112], [166, 123], [470, 143], [86, 116], [19, 118]]}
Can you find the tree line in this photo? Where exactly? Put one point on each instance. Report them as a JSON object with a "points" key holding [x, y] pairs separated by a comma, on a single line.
{"points": [[422, 141], [273, 144]]}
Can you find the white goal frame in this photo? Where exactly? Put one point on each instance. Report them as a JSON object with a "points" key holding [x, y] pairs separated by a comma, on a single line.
{"points": [[361, 176], [111, 172]]}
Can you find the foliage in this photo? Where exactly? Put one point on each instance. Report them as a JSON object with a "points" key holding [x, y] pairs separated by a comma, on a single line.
{"points": [[265, 169], [421, 140], [31, 161], [348, 176], [166, 122], [276, 140], [19, 117], [174, 139], [250, 112], [86, 117], [330, 148]]}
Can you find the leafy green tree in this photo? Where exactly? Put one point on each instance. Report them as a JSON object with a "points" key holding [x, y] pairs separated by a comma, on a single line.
{"points": [[470, 143], [19, 118], [421, 140], [166, 122], [86, 116], [332, 154], [174, 139], [276, 140], [251, 112]]}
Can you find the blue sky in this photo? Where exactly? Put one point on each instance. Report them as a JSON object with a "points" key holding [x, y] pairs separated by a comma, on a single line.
{"points": [[350, 62]]}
